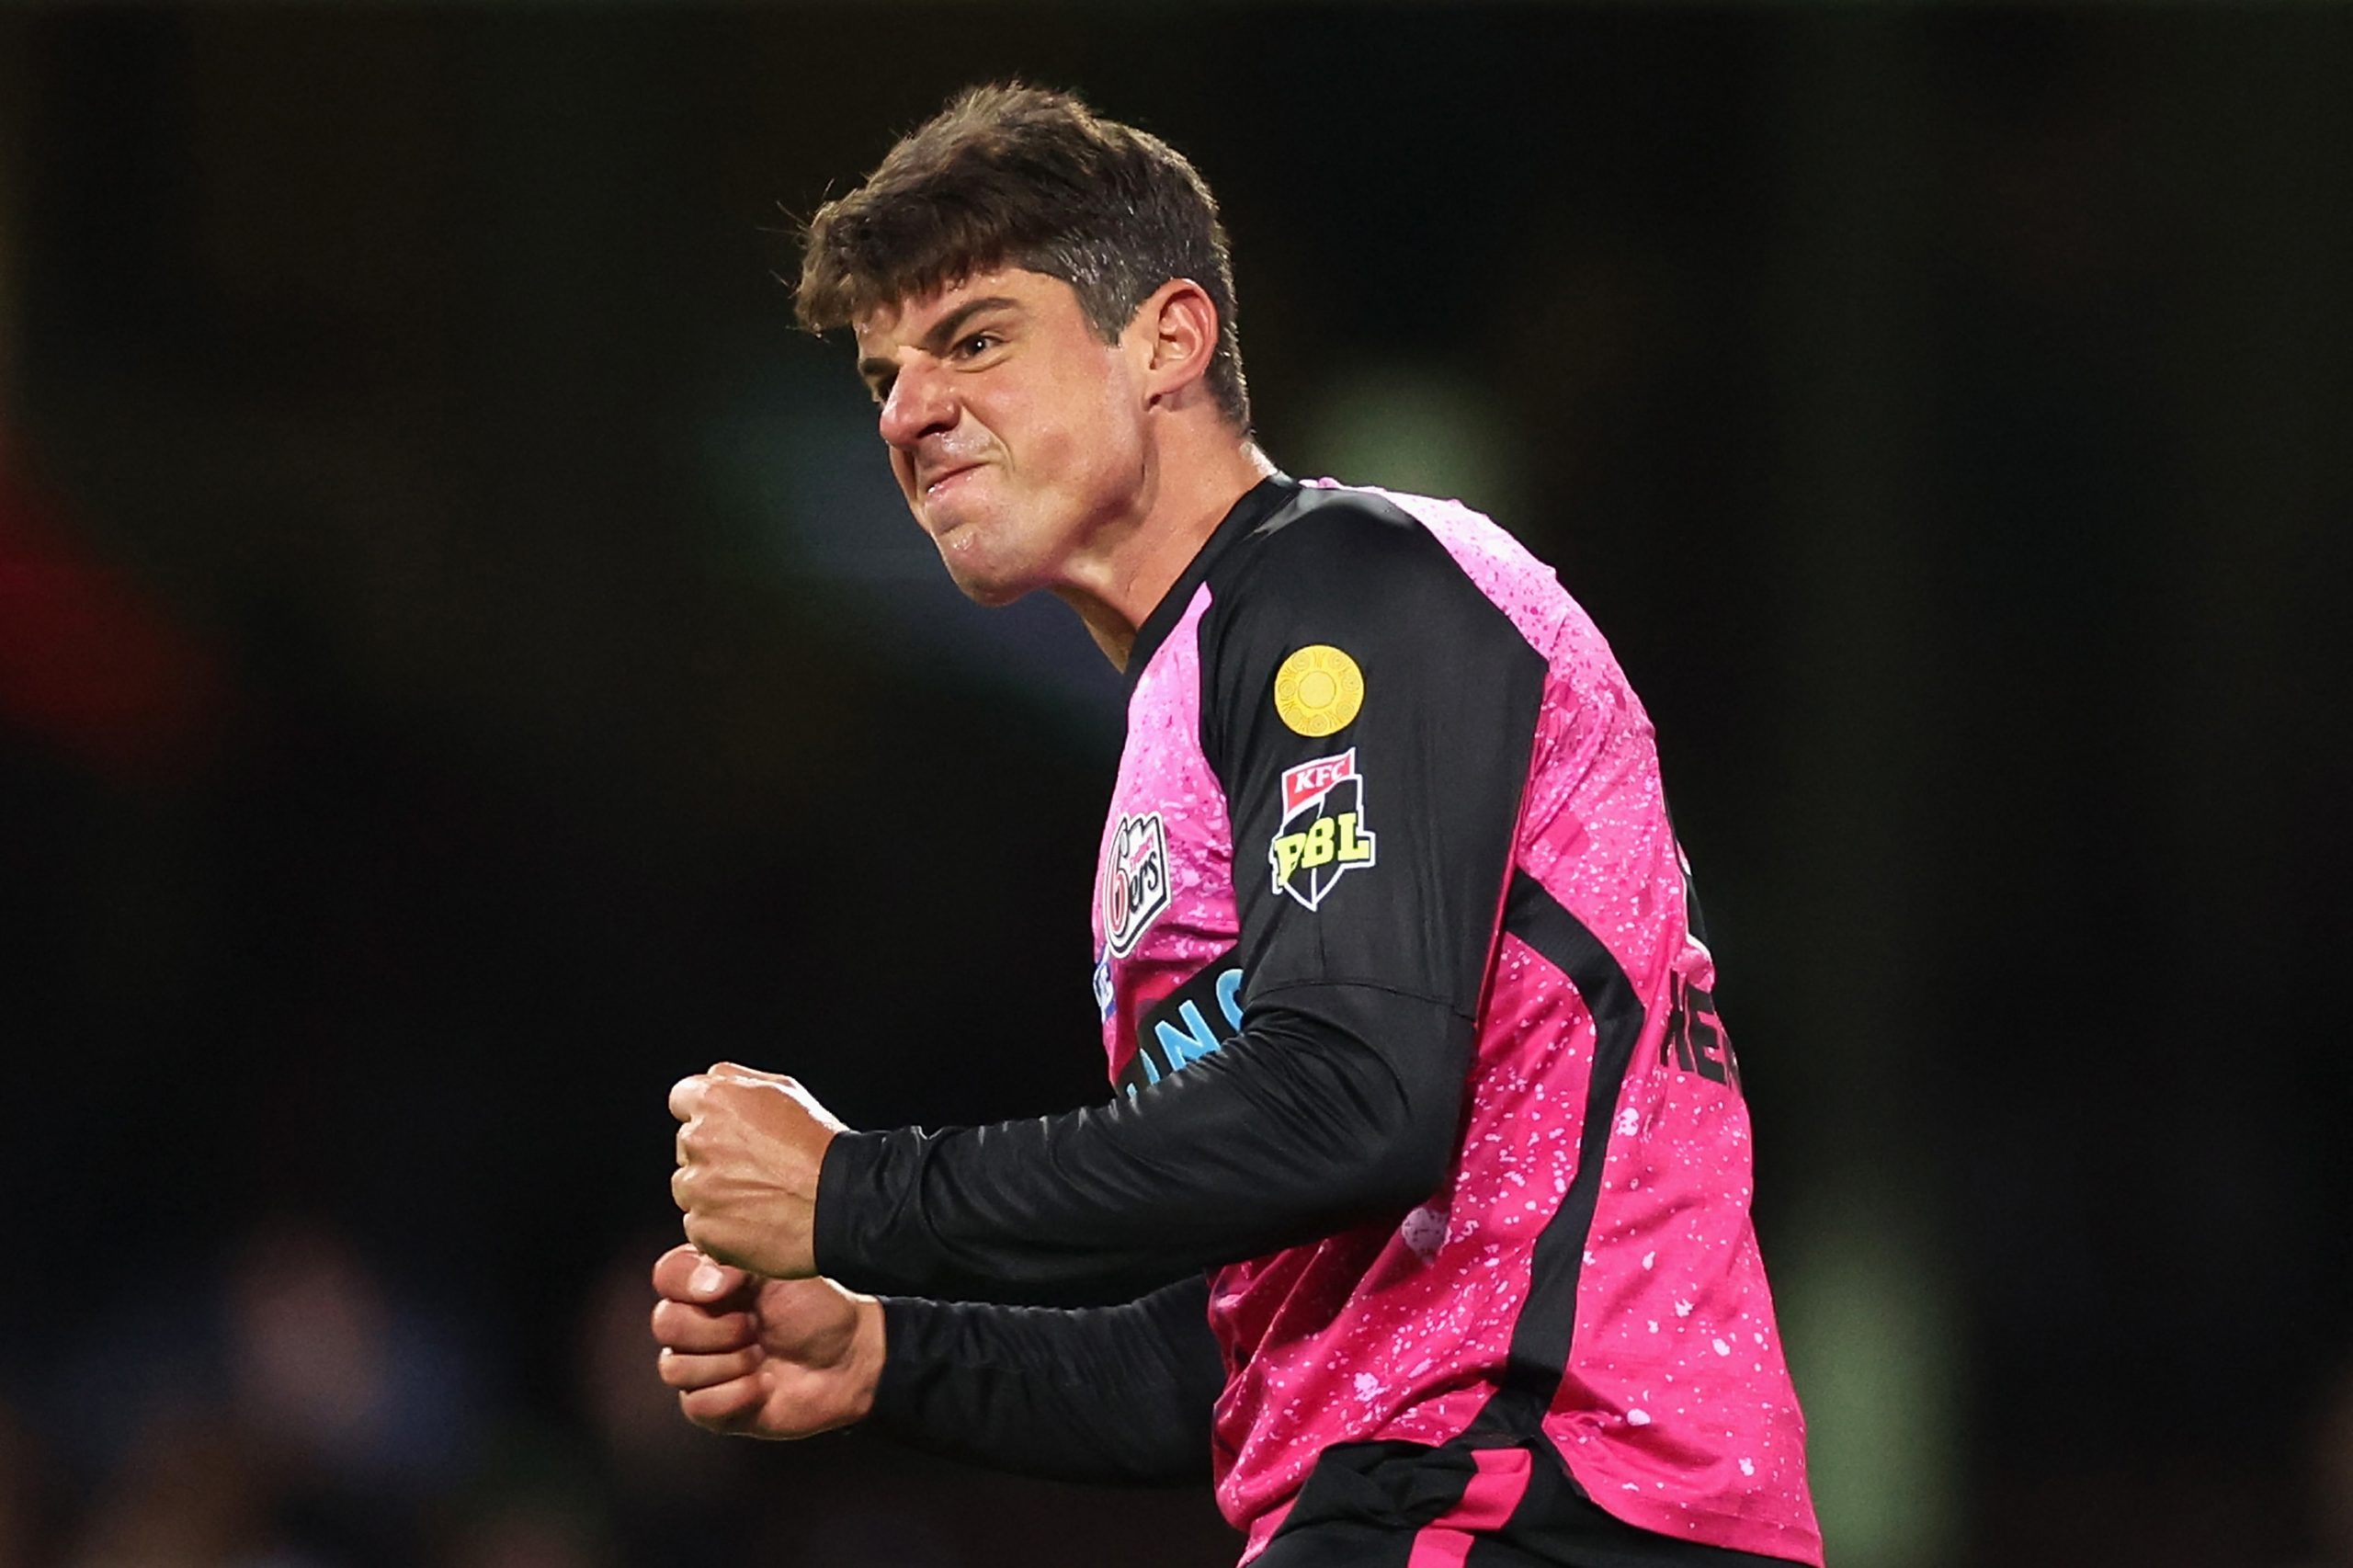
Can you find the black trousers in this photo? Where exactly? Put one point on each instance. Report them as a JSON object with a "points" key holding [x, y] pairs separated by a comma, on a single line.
{"points": [[1407, 1505]]}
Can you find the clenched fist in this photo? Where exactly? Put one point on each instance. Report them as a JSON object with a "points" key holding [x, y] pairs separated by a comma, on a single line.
{"points": [[764, 1357], [749, 1151]]}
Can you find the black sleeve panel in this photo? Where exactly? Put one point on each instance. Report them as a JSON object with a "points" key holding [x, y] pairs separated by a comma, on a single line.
{"points": [[1102, 1393], [1374, 853], [1364, 943]]}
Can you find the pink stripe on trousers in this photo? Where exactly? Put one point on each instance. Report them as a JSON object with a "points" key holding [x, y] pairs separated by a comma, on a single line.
{"points": [[1486, 1503]]}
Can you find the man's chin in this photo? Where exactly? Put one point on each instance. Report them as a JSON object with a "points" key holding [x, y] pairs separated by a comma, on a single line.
{"points": [[981, 585], [991, 596]]}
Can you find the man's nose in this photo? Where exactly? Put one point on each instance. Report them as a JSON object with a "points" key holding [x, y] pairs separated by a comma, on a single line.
{"points": [[919, 406]]}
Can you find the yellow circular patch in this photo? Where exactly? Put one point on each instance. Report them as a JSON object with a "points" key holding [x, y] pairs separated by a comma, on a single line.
{"points": [[1318, 689]]}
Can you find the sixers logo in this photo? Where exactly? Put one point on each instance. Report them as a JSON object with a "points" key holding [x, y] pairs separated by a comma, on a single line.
{"points": [[1324, 836], [1135, 882]]}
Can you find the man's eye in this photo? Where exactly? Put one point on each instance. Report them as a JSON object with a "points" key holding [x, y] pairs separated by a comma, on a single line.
{"points": [[978, 344]]}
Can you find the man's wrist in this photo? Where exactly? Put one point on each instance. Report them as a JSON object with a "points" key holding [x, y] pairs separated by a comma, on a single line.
{"points": [[830, 1231]]}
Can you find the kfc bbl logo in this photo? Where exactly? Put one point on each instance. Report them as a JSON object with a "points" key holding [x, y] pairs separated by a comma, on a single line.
{"points": [[1135, 882], [1323, 837]]}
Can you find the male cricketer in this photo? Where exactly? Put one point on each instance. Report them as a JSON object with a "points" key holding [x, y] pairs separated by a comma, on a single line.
{"points": [[1424, 1179]]}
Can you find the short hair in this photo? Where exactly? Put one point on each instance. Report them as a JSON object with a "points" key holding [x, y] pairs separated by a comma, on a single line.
{"points": [[1021, 175]]}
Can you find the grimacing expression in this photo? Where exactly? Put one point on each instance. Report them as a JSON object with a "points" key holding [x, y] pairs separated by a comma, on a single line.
{"points": [[1015, 431]]}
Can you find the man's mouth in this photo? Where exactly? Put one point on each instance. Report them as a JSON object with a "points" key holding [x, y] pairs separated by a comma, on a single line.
{"points": [[933, 485]]}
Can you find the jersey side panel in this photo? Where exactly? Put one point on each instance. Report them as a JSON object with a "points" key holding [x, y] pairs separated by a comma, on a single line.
{"points": [[1676, 1409], [1164, 899]]}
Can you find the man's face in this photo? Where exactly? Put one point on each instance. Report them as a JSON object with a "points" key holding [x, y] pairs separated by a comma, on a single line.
{"points": [[1017, 433]]}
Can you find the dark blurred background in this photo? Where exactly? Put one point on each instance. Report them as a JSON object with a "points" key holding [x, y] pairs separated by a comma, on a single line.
{"points": [[464, 664]]}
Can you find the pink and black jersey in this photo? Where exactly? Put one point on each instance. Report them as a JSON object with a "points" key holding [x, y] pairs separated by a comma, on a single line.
{"points": [[1416, 1063]]}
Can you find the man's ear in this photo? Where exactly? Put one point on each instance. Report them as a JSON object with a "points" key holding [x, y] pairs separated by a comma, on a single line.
{"points": [[1175, 332]]}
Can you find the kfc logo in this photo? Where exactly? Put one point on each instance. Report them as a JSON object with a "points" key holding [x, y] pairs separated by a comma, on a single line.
{"points": [[1324, 836]]}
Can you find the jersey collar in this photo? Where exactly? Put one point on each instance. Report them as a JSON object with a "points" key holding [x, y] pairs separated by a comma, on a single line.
{"points": [[1257, 504]]}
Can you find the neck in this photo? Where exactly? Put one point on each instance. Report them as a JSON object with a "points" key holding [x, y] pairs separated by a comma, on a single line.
{"points": [[1186, 494]]}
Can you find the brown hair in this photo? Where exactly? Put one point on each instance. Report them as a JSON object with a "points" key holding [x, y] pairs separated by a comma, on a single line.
{"points": [[1019, 175]]}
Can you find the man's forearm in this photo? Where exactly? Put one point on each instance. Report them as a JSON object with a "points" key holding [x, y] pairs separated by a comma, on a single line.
{"points": [[1097, 1394], [1339, 1108]]}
